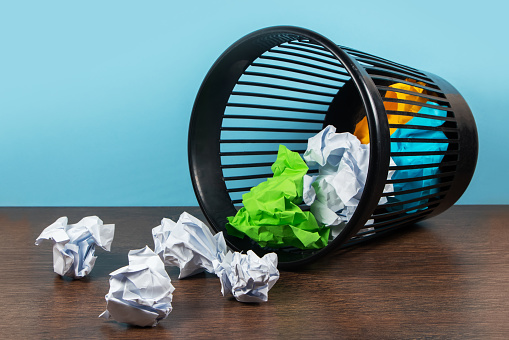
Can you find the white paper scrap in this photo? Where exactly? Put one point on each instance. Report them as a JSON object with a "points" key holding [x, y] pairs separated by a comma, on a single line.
{"points": [[141, 293], [74, 244], [188, 244], [247, 276]]}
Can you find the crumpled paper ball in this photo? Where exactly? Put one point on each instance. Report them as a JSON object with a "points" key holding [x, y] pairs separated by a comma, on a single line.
{"points": [[343, 163], [247, 276], [188, 244], [141, 293], [74, 244]]}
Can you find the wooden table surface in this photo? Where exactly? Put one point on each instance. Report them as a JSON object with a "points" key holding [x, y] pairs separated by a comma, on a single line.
{"points": [[447, 277]]}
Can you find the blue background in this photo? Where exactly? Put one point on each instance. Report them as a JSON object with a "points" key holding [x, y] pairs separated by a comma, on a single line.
{"points": [[95, 97]]}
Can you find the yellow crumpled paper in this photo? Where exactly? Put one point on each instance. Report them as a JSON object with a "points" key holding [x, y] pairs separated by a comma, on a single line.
{"points": [[361, 129]]}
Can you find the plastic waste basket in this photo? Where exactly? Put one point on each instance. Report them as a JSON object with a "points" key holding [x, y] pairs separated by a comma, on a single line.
{"points": [[282, 85]]}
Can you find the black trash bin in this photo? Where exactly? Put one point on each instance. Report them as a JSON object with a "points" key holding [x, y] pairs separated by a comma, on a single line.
{"points": [[282, 85]]}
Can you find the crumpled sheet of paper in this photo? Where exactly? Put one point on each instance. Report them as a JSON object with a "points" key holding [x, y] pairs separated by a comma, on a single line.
{"points": [[247, 276], [361, 129], [343, 167], [271, 215], [74, 244], [417, 160], [141, 293], [188, 244]]}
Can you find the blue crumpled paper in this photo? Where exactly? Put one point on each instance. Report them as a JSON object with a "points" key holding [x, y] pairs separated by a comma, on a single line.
{"points": [[417, 160]]}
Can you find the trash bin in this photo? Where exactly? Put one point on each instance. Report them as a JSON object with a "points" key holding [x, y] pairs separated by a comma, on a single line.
{"points": [[282, 85]]}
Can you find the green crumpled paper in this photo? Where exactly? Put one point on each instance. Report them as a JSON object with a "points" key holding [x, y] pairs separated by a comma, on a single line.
{"points": [[271, 215]]}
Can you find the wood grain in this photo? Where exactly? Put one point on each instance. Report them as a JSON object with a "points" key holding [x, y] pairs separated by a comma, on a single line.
{"points": [[443, 278]]}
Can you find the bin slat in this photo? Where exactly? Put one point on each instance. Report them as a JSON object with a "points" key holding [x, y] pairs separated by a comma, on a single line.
{"points": [[283, 119], [398, 221], [255, 176], [286, 88], [387, 66], [292, 79], [264, 141], [422, 127], [378, 232], [403, 81], [304, 56], [239, 178], [253, 153], [296, 48], [423, 153], [375, 70], [404, 212], [411, 191], [368, 56], [313, 131], [245, 165], [421, 178], [278, 108], [295, 70], [273, 96], [402, 219], [404, 101], [372, 56], [406, 113], [424, 140], [432, 204], [394, 204], [301, 63], [246, 189], [417, 94], [307, 44], [422, 166]]}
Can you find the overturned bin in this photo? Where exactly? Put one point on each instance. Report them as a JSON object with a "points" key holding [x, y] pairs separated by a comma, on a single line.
{"points": [[283, 85]]}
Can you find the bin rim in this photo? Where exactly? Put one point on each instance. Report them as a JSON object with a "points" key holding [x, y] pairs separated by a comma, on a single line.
{"points": [[377, 123]]}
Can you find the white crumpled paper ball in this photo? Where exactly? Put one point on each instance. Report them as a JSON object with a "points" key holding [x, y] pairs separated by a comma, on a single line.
{"points": [[188, 244], [141, 293], [74, 244], [247, 276]]}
